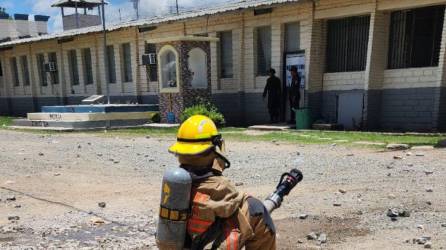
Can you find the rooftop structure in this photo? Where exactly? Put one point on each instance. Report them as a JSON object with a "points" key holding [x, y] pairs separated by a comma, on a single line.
{"points": [[79, 20], [19, 26]]}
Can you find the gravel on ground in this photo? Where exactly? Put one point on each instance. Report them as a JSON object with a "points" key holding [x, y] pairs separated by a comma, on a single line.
{"points": [[89, 191]]}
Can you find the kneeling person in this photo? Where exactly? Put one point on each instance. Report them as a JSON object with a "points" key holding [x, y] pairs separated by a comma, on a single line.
{"points": [[221, 216]]}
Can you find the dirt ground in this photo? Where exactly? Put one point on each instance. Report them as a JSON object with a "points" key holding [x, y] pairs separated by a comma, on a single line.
{"points": [[53, 183]]}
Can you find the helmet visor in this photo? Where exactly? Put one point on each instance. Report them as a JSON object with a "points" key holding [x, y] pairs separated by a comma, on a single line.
{"points": [[190, 148]]}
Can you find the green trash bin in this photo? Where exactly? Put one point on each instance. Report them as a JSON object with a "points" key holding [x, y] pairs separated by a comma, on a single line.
{"points": [[303, 118]]}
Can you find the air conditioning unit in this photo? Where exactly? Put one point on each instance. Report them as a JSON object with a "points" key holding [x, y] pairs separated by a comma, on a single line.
{"points": [[149, 59], [50, 67]]}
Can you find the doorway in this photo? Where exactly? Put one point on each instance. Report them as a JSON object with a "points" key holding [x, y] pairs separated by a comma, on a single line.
{"points": [[291, 59]]}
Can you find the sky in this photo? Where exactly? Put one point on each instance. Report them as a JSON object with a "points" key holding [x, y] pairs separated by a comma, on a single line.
{"points": [[117, 10]]}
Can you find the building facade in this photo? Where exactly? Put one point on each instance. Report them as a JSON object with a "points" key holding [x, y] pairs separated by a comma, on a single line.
{"points": [[21, 27], [371, 64]]}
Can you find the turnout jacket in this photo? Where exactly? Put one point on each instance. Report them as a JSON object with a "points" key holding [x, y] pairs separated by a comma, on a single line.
{"points": [[213, 196]]}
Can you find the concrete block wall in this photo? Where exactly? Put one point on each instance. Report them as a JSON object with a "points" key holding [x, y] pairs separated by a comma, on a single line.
{"points": [[344, 81], [409, 109], [376, 64], [316, 65], [411, 78], [442, 110]]}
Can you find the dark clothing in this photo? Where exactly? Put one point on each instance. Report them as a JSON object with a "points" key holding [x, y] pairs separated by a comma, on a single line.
{"points": [[294, 95], [273, 89]]}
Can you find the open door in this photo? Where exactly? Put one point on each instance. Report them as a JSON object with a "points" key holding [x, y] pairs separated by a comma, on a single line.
{"points": [[293, 59]]}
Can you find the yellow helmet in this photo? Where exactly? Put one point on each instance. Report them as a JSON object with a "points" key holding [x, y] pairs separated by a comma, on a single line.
{"points": [[196, 135]]}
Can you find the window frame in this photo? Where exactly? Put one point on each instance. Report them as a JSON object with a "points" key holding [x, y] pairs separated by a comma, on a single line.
{"points": [[25, 70], [111, 58], [258, 71], [87, 66], [73, 67], [406, 59], [54, 75], [14, 72], [151, 70], [286, 36], [1, 68], [41, 72], [162, 51], [126, 68], [221, 58], [349, 54]]}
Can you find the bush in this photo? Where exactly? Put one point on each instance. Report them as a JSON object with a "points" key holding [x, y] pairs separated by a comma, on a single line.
{"points": [[156, 118], [207, 109]]}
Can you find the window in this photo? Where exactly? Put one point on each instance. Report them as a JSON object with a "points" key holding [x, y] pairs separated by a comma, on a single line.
{"points": [[226, 69], [52, 59], [197, 63], [347, 41], [168, 60], [41, 69], [263, 38], [126, 63], [152, 69], [1, 69], [25, 70], [72, 65], [88, 67], [15, 72], [111, 67], [292, 37], [415, 37]]}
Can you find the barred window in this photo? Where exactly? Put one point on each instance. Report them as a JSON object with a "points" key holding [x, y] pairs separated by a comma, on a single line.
{"points": [[347, 41], [111, 66], [25, 70], [292, 37], [225, 51], [52, 58], [152, 69], [126, 63], [72, 65], [41, 69], [88, 67], [263, 38], [15, 72], [415, 37]]}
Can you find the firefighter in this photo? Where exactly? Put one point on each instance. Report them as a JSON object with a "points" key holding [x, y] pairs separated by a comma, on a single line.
{"points": [[221, 217]]}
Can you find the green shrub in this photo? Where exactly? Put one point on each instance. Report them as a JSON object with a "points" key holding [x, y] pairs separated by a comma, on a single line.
{"points": [[156, 118], [207, 109]]}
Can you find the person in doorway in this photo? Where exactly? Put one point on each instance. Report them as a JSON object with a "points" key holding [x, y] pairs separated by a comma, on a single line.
{"points": [[294, 92], [220, 215], [273, 90]]}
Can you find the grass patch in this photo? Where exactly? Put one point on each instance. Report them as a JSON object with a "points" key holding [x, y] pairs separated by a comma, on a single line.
{"points": [[132, 132], [297, 137], [136, 132], [307, 137], [5, 121], [329, 137]]}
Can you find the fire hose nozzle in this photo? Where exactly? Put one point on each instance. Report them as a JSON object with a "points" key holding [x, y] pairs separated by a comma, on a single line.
{"points": [[286, 183]]}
